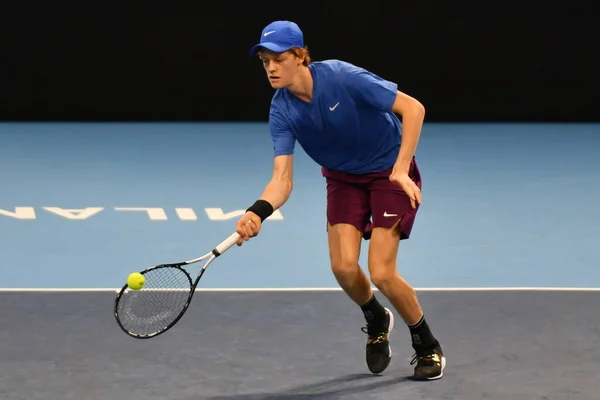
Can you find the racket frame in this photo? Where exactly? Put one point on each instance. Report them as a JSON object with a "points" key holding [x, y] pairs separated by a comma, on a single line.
{"points": [[210, 257]]}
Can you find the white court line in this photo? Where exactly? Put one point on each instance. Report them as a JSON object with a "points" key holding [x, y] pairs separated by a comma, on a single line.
{"points": [[457, 289]]}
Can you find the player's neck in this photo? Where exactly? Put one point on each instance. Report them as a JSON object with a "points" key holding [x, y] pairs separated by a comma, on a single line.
{"points": [[302, 85]]}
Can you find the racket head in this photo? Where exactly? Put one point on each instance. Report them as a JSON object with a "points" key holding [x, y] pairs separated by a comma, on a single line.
{"points": [[159, 305]]}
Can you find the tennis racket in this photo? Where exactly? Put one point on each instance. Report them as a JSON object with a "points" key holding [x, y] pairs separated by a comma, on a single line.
{"points": [[165, 297]]}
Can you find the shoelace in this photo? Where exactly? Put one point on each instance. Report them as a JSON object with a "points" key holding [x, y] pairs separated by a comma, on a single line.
{"points": [[374, 339], [426, 360]]}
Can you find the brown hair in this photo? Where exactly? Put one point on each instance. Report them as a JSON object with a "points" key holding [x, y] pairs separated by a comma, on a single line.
{"points": [[302, 52]]}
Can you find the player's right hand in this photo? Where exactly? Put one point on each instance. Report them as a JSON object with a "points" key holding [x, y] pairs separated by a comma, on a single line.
{"points": [[248, 227]]}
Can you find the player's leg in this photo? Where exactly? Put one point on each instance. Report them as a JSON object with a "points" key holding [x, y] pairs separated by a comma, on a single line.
{"points": [[384, 275], [383, 252], [393, 218], [344, 250], [347, 216], [347, 220]]}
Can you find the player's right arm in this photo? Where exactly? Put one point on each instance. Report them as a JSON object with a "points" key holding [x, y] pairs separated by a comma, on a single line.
{"points": [[275, 194], [280, 186]]}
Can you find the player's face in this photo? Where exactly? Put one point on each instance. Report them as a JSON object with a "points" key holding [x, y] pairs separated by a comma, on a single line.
{"points": [[281, 68]]}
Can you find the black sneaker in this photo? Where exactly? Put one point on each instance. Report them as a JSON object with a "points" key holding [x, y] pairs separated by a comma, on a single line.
{"points": [[430, 364], [378, 351]]}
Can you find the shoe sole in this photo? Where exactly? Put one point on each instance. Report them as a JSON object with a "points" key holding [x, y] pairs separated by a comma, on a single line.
{"points": [[390, 329]]}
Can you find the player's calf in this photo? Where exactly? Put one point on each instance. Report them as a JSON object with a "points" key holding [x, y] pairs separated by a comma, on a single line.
{"points": [[398, 291]]}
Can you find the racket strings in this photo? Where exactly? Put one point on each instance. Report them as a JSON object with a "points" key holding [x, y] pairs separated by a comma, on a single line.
{"points": [[154, 308]]}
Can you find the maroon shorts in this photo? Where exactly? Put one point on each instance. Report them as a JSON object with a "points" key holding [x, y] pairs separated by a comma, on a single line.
{"points": [[370, 200]]}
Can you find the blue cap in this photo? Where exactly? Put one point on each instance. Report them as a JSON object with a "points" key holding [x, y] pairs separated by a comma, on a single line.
{"points": [[279, 36]]}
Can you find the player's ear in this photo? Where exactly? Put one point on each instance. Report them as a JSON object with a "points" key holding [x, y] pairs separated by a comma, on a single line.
{"points": [[298, 55]]}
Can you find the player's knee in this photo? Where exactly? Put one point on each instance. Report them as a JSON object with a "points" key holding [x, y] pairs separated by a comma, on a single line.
{"points": [[344, 266], [382, 276]]}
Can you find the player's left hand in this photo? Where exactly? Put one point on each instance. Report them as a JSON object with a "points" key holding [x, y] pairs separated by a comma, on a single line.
{"points": [[408, 185]]}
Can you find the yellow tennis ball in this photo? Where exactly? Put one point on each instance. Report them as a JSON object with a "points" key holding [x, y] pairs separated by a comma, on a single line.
{"points": [[136, 281]]}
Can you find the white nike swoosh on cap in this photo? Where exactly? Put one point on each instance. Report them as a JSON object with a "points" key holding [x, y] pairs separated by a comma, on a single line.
{"points": [[268, 33]]}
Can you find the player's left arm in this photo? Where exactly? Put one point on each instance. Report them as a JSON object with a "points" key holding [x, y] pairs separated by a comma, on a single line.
{"points": [[412, 114], [374, 91]]}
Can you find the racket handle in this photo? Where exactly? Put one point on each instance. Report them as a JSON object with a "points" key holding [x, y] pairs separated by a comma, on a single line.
{"points": [[226, 244]]}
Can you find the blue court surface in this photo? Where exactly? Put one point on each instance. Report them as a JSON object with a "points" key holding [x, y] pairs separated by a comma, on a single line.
{"points": [[503, 255]]}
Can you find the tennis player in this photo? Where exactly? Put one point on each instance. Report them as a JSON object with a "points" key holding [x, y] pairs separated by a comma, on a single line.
{"points": [[346, 119]]}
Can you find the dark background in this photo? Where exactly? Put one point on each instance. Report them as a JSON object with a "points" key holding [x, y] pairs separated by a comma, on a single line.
{"points": [[466, 61]]}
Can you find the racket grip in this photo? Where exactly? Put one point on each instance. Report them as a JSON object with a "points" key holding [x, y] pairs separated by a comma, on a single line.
{"points": [[226, 244]]}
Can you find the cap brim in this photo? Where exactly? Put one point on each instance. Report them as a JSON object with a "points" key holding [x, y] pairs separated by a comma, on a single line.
{"points": [[269, 46]]}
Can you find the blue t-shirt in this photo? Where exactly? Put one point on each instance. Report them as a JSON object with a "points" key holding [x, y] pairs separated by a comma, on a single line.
{"points": [[347, 126]]}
